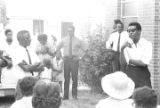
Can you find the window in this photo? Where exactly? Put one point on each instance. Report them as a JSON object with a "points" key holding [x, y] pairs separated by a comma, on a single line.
{"points": [[129, 8], [38, 26]]}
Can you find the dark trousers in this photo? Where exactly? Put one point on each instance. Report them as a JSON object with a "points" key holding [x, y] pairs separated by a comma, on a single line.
{"points": [[70, 67], [116, 62], [140, 75]]}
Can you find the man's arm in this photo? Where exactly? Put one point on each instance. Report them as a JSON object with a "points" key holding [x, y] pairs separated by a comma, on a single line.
{"points": [[23, 65], [137, 62], [37, 67], [58, 48], [109, 43]]}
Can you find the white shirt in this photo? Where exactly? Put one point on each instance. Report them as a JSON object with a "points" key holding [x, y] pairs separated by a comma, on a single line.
{"points": [[115, 103], [7, 76], [20, 55], [43, 50], [113, 40], [25, 102], [57, 64], [46, 74], [142, 51]]}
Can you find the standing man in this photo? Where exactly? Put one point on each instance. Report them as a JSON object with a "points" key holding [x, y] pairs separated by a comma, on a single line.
{"points": [[114, 43], [138, 54], [72, 48], [8, 51], [116, 21], [25, 60]]}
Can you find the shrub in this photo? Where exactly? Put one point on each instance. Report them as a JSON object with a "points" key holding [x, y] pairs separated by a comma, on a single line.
{"points": [[95, 63]]}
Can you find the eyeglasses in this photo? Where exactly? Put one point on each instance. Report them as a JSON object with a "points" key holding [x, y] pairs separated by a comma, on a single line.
{"points": [[131, 30]]}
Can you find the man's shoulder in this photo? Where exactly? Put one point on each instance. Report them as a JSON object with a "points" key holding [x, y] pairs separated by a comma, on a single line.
{"points": [[145, 41], [125, 32]]}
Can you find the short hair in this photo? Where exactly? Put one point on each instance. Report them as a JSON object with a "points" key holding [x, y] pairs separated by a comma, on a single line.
{"points": [[26, 85], [145, 97], [138, 26], [42, 37], [116, 21], [7, 30], [46, 94], [21, 33]]}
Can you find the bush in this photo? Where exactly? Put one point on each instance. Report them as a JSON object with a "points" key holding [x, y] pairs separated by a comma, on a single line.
{"points": [[95, 63]]}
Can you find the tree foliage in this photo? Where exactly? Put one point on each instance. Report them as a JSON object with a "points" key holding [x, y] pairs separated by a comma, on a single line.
{"points": [[96, 62]]}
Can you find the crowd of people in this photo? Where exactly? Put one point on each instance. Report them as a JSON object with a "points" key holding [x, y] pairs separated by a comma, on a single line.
{"points": [[41, 73]]}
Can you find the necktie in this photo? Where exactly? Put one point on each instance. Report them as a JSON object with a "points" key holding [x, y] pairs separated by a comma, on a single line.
{"points": [[70, 46], [118, 45], [29, 58]]}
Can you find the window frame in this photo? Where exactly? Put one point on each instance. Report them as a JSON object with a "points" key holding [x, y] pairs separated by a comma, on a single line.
{"points": [[129, 1]]}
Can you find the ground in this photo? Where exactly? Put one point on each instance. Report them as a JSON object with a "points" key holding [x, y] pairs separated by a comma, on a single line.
{"points": [[86, 99]]}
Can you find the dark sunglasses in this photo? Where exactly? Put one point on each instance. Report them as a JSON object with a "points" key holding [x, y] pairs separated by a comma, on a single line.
{"points": [[131, 30]]}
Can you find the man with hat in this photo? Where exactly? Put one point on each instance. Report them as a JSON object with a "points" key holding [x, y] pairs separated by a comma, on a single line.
{"points": [[119, 87]]}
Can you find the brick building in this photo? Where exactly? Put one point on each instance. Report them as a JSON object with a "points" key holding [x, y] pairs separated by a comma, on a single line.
{"points": [[147, 13]]}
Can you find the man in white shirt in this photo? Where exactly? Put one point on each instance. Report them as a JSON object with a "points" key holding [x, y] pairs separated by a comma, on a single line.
{"points": [[138, 54], [25, 60], [115, 42], [9, 46]]}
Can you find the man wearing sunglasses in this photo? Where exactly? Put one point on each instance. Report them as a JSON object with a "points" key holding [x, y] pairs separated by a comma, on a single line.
{"points": [[114, 44], [137, 53]]}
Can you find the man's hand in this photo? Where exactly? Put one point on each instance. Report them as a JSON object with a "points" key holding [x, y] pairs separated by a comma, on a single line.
{"points": [[126, 44], [37, 67]]}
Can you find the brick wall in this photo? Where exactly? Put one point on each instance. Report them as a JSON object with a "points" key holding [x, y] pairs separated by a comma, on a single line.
{"points": [[157, 46], [111, 14]]}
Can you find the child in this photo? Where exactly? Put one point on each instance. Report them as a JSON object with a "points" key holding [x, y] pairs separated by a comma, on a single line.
{"points": [[57, 74], [46, 74]]}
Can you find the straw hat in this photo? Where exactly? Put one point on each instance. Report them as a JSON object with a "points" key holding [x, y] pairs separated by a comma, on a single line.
{"points": [[118, 85]]}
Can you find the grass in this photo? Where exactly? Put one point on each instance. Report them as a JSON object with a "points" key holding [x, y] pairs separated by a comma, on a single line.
{"points": [[86, 99]]}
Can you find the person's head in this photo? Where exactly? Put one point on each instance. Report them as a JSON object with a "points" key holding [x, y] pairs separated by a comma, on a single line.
{"points": [[115, 23], [47, 63], [58, 55], [24, 38], [46, 94], [145, 97], [26, 85], [8, 33], [134, 30], [119, 27], [118, 85], [54, 38], [42, 38], [71, 30]]}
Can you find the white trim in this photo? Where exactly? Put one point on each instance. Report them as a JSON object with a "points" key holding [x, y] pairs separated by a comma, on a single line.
{"points": [[128, 1]]}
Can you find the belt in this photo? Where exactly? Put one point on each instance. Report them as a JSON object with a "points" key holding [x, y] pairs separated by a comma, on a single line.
{"points": [[131, 65], [70, 57]]}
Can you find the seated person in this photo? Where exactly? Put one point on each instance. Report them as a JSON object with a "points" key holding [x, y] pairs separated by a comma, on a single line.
{"points": [[46, 94], [145, 97], [26, 87], [119, 87]]}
